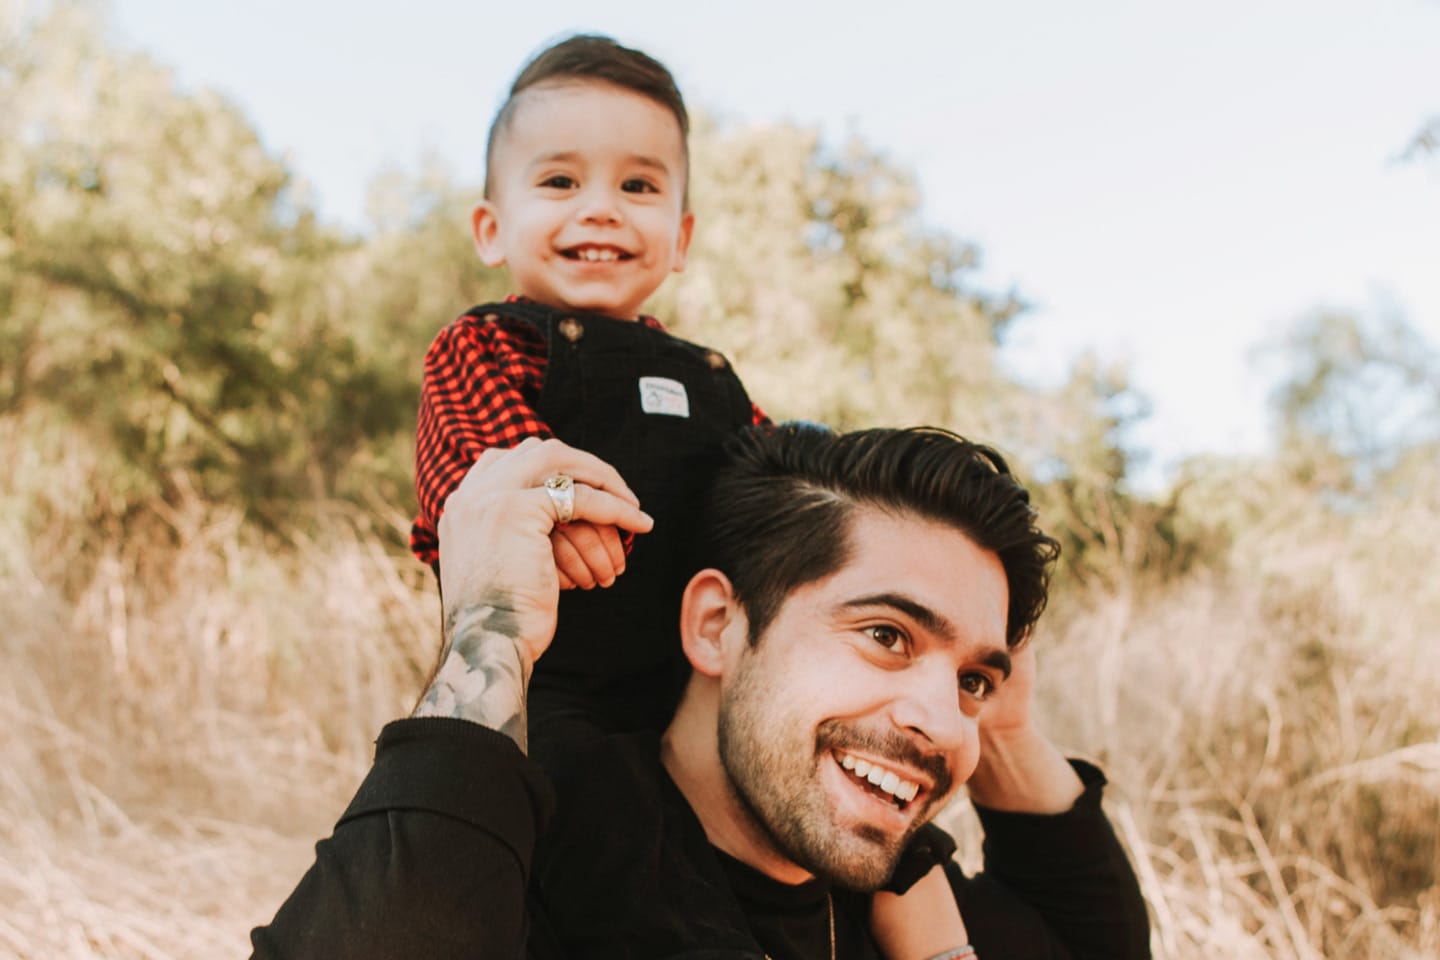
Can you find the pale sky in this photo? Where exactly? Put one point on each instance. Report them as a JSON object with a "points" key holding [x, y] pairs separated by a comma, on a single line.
{"points": [[1168, 184]]}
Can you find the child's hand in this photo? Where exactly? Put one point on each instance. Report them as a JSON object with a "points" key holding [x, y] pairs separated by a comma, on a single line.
{"points": [[587, 555], [921, 923]]}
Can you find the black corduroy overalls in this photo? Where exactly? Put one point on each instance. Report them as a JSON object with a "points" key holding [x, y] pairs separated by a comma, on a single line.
{"points": [[658, 409]]}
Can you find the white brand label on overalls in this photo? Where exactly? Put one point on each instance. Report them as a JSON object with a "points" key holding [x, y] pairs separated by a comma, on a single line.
{"points": [[664, 396]]}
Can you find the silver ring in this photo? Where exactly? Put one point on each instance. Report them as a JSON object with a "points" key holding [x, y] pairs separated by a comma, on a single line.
{"points": [[561, 489]]}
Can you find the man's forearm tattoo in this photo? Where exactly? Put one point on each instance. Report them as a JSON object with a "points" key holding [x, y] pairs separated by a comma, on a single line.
{"points": [[483, 673]]}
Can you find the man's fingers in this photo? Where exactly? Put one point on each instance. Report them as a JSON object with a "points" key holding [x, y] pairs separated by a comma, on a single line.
{"points": [[601, 507], [535, 460], [505, 492]]}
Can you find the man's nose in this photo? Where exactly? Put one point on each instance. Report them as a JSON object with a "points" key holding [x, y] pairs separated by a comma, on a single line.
{"points": [[930, 705]]}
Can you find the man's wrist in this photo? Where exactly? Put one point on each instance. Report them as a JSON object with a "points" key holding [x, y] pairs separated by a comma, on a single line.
{"points": [[484, 671]]}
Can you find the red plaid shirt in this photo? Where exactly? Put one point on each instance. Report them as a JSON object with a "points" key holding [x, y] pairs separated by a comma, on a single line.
{"points": [[482, 384]]}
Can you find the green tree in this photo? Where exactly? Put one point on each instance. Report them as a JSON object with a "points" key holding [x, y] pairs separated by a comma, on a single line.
{"points": [[1360, 396], [154, 257]]}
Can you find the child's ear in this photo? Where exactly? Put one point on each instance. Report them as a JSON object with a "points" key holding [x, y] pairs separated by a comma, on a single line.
{"points": [[711, 622], [485, 227], [682, 241]]}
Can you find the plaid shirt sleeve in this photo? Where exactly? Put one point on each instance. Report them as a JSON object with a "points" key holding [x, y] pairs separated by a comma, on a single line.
{"points": [[482, 380]]}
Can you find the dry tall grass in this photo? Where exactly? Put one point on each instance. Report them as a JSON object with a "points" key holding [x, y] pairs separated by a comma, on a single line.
{"points": [[185, 710], [1273, 733], [182, 713]]}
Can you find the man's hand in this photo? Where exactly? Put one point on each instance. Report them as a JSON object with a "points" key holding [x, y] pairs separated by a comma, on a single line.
{"points": [[1011, 709], [498, 575], [587, 555], [1020, 770]]}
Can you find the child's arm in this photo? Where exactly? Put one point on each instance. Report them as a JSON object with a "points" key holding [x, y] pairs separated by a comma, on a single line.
{"points": [[475, 396], [480, 379], [922, 923]]}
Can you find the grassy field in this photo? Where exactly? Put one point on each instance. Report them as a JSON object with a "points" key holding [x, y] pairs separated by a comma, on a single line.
{"points": [[186, 709]]}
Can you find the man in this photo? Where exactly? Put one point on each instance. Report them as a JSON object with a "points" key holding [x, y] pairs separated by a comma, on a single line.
{"points": [[856, 633]]}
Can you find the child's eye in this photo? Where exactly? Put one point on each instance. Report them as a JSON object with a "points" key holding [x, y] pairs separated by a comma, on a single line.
{"points": [[559, 182], [977, 685], [891, 638], [637, 185]]}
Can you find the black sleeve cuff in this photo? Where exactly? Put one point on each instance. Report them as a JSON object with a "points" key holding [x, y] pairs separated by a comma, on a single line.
{"points": [[929, 848], [1019, 840], [458, 769]]}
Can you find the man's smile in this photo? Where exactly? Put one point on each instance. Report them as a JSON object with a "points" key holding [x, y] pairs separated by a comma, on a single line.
{"points": [[882, 779], [887, 778], [864, 809]]}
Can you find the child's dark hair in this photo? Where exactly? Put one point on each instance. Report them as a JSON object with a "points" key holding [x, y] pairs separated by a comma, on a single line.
{"points": [[591, 57]]}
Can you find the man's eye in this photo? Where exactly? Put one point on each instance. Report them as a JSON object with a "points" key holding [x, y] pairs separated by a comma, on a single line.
{"points": [[559, 182], [637, 185], [890, 638], [978, 685]]}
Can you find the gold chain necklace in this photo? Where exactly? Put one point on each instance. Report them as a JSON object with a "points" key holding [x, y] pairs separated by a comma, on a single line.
{"points": [[830, 908]]}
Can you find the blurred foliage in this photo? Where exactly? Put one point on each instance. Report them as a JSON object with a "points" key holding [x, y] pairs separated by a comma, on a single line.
{"points": [[171, 301], [1360, 397], [1357, 423], [1425, 143], [151, 255]]}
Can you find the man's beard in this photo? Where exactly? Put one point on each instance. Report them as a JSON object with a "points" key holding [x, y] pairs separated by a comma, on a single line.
{"points": [[774, 769]]}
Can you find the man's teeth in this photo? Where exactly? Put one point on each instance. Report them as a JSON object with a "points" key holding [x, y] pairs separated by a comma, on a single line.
{"points": [[591, 253], [887, 780]]}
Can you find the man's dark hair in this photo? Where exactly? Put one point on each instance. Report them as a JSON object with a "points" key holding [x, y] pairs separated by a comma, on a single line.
{"points": [[777, 515], [594, 58]]}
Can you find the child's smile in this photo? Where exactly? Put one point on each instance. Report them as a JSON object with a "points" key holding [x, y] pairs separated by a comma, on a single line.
{"points": [[595, 254]]}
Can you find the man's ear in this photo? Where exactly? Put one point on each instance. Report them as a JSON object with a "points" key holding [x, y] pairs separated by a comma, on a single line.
{"points": [[485, 228], [711, 622], [682, 241]]}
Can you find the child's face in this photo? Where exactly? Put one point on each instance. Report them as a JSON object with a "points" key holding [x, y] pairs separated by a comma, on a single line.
{"points": [[586, 205]]}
